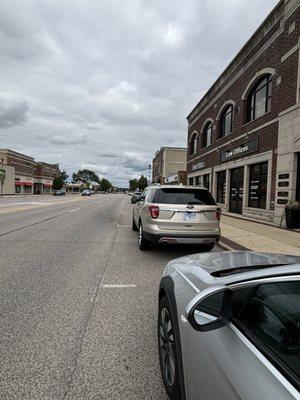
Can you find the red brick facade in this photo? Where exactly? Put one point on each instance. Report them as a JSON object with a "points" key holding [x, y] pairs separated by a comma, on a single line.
{"points": [[267, 52]]}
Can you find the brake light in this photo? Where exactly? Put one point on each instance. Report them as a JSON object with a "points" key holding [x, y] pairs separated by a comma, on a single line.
{"points": [[154, 211], [218, 214]]}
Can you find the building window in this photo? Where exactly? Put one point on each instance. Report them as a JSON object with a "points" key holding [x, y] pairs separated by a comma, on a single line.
{"points": [[206, 181], [259, 98], [221, 186], [226, 121], [191, 181], [197, 180], [207, 134], [194, 141], [258, 185]]}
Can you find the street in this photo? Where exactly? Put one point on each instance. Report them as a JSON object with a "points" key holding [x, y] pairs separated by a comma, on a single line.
{"points": [[78, 300]]}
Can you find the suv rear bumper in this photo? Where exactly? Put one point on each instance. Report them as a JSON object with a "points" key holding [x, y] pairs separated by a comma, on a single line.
{"points": [[181, 238]]}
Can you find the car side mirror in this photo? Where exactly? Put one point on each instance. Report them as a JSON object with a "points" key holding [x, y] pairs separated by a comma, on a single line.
{"points": [[133, 200], [210, 309]]}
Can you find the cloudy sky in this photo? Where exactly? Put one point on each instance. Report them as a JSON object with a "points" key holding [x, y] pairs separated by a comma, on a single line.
{"points": [[102, 84]]}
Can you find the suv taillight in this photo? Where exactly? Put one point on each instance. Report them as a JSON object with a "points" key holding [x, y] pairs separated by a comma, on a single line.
{"points": [[218, 214], [154, 211]]}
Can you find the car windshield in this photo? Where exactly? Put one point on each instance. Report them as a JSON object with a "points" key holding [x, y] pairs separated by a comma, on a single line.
{"points": [[183, 196]]}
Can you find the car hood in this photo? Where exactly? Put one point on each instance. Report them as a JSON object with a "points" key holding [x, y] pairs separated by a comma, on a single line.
{"points": [[205, 269]]}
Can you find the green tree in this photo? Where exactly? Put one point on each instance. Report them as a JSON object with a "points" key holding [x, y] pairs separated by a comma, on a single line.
{"points": [[86, 176], [105, 184], [58, 183], [133, 185], [143, 183], [64, 175]]}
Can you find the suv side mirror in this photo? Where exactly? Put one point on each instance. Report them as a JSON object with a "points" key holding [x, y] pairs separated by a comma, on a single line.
{"points": [[210, 309], [133, 200]]}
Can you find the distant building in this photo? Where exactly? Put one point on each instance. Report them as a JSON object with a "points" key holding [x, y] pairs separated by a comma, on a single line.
{"points": [[244, 134], [23, 175], [169, 165]]}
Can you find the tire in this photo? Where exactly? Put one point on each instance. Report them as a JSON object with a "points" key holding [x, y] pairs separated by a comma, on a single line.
{"points": [[134, 227], [207, 247], [144, 244], [167, 350]]}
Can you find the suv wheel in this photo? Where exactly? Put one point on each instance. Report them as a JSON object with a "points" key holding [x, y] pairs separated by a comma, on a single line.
{"points": [[167, 350], [144, 244], [134, 227]]}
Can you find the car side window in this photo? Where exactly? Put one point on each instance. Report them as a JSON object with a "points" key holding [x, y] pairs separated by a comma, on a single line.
{"points": [[272, 316]]}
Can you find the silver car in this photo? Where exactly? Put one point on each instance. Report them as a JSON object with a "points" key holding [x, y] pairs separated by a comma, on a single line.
{"points": [[229, 327], [176, 214]]}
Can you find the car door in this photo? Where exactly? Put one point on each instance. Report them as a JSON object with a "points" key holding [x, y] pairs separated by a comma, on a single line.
{"points": [[138, 206], [256, 356]]}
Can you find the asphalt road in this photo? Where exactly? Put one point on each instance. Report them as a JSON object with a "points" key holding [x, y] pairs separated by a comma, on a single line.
{"points": [[68, 331]]}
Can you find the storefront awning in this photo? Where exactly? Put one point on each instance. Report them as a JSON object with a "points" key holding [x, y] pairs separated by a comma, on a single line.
{"points": [[47, 185], [27, 184], [18, 183]]}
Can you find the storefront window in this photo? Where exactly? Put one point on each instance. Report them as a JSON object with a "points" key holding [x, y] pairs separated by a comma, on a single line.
{"points": [[206, 181], [197, 180], [191, 181], [27, 189], [18, 188], [221, 186], [258, 185]]}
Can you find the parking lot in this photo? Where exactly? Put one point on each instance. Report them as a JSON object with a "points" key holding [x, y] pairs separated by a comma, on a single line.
{"points": [[78, 301]]}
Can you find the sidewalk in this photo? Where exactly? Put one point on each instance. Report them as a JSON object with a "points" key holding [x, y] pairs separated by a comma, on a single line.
{"points": [[242, 234]]}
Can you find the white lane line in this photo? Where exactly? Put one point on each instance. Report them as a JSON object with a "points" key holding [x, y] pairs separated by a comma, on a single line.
{"points": [[75, 209], [118, 286]]}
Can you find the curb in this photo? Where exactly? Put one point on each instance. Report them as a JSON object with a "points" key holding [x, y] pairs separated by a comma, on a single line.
{"points": [[229, 245]]}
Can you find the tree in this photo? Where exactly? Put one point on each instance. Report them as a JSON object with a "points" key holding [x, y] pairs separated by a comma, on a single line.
{"points": [[105, 185], [143, 183], [64, 175], [58, 183], [133, 185], [86, 176]]}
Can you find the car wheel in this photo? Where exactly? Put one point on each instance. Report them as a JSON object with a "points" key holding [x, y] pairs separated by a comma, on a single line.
{"points": [[167, 350], [144, 244], [134, 227], [207, 247]]}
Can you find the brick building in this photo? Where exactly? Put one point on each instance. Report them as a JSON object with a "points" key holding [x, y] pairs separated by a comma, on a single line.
{"points": [[43, 177], [169, 165], [237, 133], [26, 176]]}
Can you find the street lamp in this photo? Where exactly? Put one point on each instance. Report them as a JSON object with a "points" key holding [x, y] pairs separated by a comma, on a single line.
{"points": [[149, 170], [2, 176]]}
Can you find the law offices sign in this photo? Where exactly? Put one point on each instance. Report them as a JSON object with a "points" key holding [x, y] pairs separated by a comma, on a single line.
{"points": [[199, 165], [239, 151]]}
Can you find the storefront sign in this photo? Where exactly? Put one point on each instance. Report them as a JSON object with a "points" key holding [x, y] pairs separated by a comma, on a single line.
{"points": [[199, 165], [172, 178], [282, 201], [283, 176], [283, 194], [246, 148], [283, 184]]}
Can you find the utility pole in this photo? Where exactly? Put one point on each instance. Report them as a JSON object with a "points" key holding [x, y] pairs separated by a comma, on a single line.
{"points": [[2, 176], [149, 168]]}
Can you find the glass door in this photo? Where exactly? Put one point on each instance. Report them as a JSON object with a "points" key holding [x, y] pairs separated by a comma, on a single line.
{"points": [[236, 190]]}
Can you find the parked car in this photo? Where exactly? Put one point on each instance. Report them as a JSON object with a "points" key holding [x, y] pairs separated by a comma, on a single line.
{"points": [[176, 214], [135, 196], [228, 326], [86, 192], [59, 193]]}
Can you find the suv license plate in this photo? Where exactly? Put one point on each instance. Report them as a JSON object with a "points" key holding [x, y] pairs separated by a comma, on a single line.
{"points": [[189, 216]]}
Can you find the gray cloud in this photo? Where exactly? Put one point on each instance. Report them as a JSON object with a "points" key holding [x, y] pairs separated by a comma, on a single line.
{"points": [[105, 83], [12, 111]]}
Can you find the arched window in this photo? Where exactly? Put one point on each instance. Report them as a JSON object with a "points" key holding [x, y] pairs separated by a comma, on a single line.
{"points": [[226, 121], [259, 98], [193, 144], [207, 134]]}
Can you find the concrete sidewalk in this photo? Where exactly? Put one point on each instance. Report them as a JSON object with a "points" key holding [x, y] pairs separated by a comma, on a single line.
{"points": [[243, 234]]}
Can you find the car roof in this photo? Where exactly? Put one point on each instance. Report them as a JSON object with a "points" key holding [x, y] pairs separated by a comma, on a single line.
{"points": [[206, 269], [176, 187]]}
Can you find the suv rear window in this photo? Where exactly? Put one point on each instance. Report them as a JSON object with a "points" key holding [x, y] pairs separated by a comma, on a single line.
{"points": [[183, 196]]}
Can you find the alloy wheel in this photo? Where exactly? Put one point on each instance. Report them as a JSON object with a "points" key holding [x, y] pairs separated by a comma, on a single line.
{"points": [[167, 346]]}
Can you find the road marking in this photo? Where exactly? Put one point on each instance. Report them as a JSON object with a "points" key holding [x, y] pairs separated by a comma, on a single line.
{"points": [[119, 286], [75, 209]]}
